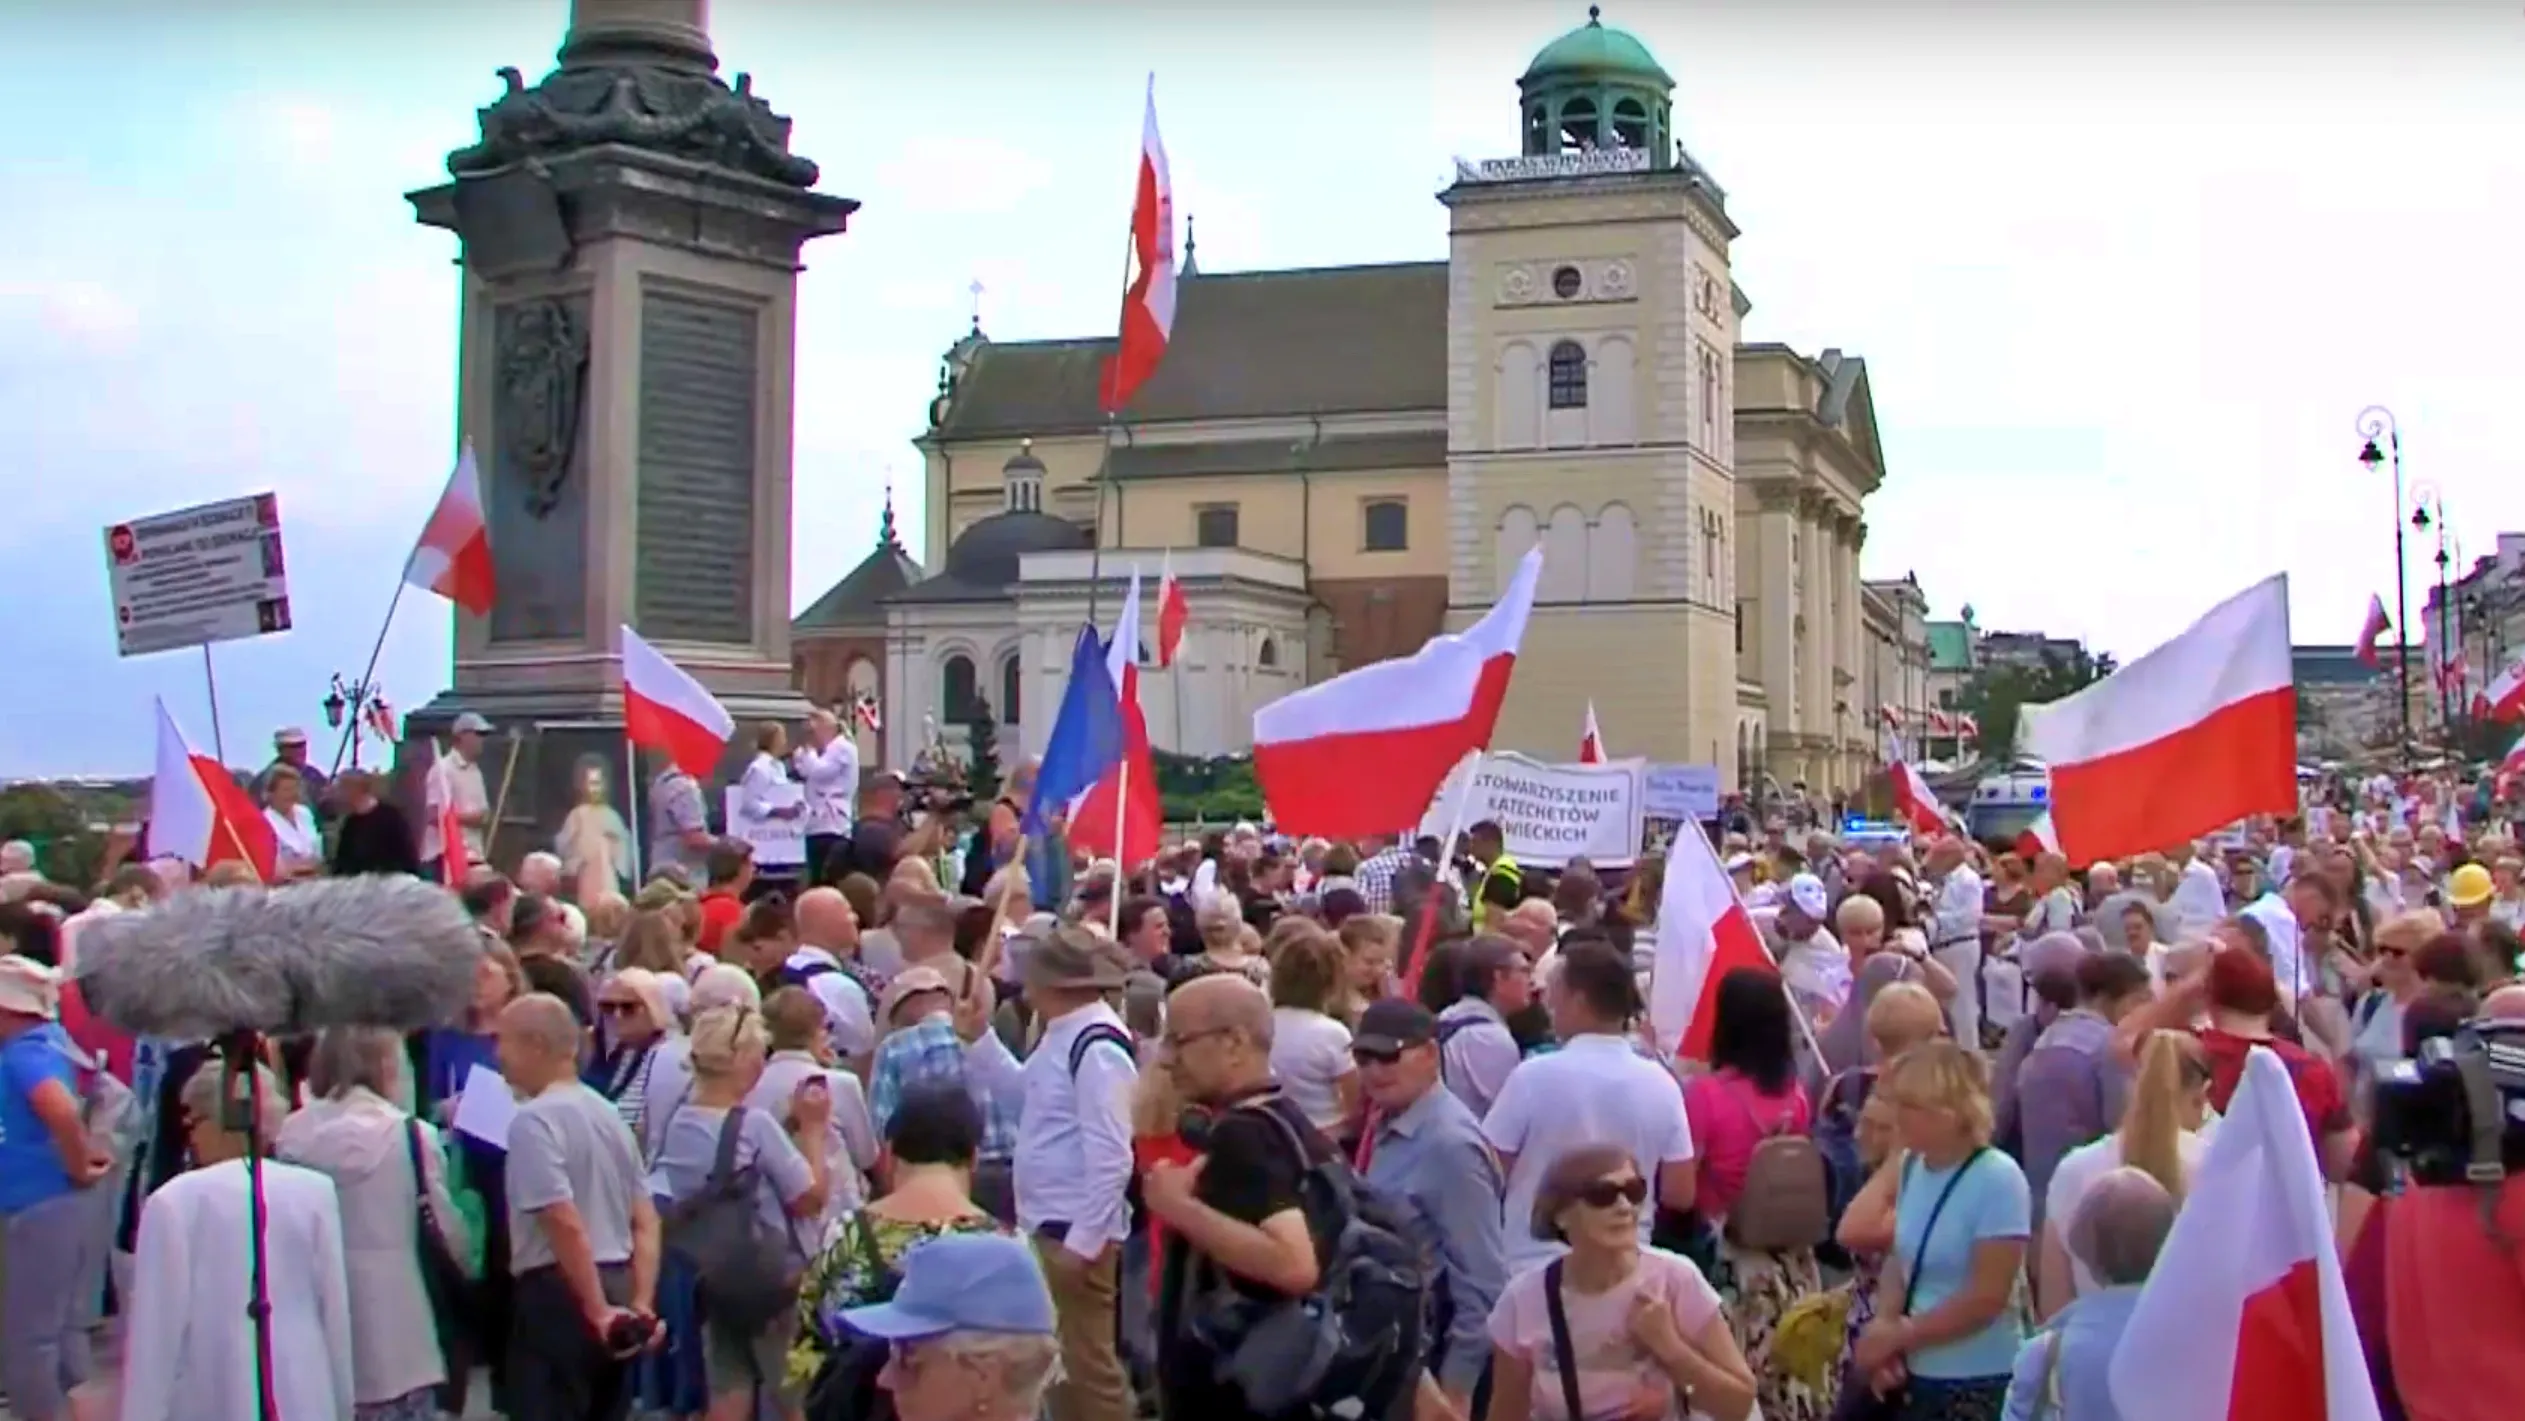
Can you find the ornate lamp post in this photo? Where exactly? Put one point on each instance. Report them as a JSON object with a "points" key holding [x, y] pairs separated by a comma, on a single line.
{"points": [[347, 708], [2374, 423], [2428, 511]]}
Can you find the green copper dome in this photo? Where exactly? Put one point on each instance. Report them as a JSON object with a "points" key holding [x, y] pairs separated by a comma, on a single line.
{"points": [[1593, 52]]}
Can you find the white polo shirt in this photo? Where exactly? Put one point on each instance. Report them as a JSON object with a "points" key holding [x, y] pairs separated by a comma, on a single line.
{"points": [[1594, 1090]]}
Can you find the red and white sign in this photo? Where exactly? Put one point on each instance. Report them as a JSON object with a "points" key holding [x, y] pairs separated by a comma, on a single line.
{"points": [[199, 575]]}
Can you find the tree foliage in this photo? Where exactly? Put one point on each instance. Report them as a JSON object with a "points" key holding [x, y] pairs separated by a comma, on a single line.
{"points": [[982, 769], [68, 847], [1996, 694], [1196, 789]]}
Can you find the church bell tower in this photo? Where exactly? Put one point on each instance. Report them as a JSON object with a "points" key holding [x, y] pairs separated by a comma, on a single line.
{"points": [[1590, 325]]}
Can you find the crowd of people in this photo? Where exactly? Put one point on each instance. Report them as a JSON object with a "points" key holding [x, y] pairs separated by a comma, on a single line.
{"points": [[956, 1124]]}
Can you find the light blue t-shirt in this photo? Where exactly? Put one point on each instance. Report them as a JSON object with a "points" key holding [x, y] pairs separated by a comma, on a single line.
{"points": [[1991, 1201], [689, 1145], [30, 1167]]}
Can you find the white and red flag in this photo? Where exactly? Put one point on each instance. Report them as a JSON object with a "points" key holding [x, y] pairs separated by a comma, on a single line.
{"points": [[2246, 1317], [666, 710], [1172, 612], [1148, 299], [1940, 723], [199, 813], [2038, 839], [1967, 727], [2504, 697], [867, 713], [1591, 740], [1368, 749], [2511, 768], [1703, 933], [2197, 734], [2372, 631], [455, 860], [1121, 816], [1915, 801], [453, 556], [1892, 715]]}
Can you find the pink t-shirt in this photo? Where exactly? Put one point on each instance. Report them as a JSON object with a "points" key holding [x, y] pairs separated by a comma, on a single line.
{"points": [[1610, 1365], [1730, 1116]]}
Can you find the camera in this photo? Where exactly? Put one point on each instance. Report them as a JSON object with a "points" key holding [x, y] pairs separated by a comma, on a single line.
{"points": [[2454, 1112]]}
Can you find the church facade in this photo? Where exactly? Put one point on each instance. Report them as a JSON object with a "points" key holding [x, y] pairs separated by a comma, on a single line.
{"points": [[1338, 464]]}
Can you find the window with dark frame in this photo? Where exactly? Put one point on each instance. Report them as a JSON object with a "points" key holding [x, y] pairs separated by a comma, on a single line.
{"points": [[957, 690], [1387, 525], [1214, 526], [1569, 376]]}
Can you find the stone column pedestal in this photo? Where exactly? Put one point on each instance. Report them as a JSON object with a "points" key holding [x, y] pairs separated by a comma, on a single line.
{"points": [[631, 230]]}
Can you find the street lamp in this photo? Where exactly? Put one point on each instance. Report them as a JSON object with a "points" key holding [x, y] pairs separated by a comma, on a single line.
{"points": [[347, 707], [2374, 423]]}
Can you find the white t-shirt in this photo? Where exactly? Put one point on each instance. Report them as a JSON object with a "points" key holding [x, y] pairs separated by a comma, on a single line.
{"points": [[2078, 1171], [1309, 1052], [1594, 1090]]}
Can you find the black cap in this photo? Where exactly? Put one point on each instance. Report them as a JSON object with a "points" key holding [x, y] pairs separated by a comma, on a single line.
{"points": [[1391, 1024]]}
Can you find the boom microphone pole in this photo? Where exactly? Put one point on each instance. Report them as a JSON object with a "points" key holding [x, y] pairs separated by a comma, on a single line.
{"points": [[235, 966]]}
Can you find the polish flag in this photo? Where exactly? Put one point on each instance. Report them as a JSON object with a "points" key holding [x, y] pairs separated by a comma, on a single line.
{"points": [[867, 713], [1914, 800], [199, 813], [1148, 302], [2246, 1314], [1172, 612], [2510, 769], [2372, 631], [2199, 733], [1891, 715], [1968, 727], [2504, 699], [1939, 724], [2038, 839], [453, 557], [1591, 744], [1368, 749], [668, 711], [1703, 933], [1125, 804]]}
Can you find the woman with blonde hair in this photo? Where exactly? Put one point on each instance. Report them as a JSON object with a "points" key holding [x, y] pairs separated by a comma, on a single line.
{"points": [[1944, 1340], [1369, 942], [633, 1022], [2163, 1132], [729, 1047], [655, 942], [1225, 942], [1310, 1048]]}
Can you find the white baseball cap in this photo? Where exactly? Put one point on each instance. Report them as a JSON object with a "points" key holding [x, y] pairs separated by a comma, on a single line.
{"points": [[1807, 895]]}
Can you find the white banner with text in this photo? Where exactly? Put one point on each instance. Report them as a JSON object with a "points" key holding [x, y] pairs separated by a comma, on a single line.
{"points": [[1548, 814]]}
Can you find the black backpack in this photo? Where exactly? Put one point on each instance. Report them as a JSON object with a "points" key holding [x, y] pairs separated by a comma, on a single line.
{"points": [[1353, 1347], [749, 1270]]}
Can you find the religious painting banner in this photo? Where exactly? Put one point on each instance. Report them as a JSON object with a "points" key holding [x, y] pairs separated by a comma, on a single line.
{"points": [[1547, 814]]}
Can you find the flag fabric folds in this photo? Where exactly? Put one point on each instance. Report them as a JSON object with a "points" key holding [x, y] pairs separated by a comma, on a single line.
{"points": [[1172, 613], [2372, 631], [1591, 740], [1367, 750], [453, 556], [199, 813], [1125, 795], [1915, 801], [2246, 1317], [1703, 933], [1148, 302], [2197, 734], [2504, 698], [1087, 735], [666, 710]]}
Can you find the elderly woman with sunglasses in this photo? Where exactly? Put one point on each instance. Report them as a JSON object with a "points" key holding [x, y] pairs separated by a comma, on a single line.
{"points": [[1613, 1328]]}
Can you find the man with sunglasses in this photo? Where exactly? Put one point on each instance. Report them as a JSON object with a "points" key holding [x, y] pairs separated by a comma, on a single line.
{"points": [[1429, 1157]]}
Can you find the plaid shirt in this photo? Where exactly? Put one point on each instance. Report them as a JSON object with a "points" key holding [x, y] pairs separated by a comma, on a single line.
{"points": [[1375, 879], [927, 1053]]}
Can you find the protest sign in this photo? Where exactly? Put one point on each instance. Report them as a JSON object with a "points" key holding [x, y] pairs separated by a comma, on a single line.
{"points": [[779, 842], [1547, 814]]}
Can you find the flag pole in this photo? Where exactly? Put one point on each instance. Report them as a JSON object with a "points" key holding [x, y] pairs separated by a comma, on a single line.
{"points": [[350, 729], [1427, 930], [1121, 845], [210, 683], [500, 804], [631, 796], [1113, 418]]}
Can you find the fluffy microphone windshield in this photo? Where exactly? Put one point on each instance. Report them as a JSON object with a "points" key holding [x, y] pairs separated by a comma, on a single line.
{"points": [[376, 951]]}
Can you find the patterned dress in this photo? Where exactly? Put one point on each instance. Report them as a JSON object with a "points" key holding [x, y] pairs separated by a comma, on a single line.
{"points": [[841, 1278]]}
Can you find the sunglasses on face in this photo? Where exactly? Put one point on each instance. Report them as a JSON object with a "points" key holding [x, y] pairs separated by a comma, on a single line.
{"points": [[1372, 1056], [1605, 1193]]}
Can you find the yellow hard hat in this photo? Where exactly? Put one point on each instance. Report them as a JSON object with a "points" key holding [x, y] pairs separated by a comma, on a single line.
{"points": [[2469, 886]]}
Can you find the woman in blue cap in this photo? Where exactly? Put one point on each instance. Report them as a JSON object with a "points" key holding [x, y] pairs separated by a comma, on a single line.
{"points": [[971, 1331]]}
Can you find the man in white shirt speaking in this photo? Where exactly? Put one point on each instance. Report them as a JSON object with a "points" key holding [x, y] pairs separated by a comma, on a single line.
{"points": [[1074, 1160], [828, 768]]}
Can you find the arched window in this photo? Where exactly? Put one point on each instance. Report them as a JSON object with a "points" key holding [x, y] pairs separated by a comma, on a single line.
{"points": [[1010, 675], [1630, 124], [957, 694], [1579, 130], [1538, 129], [1268, 658], [1569, 376]]}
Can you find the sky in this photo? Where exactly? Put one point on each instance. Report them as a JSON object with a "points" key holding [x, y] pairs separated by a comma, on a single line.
{"points": [[2125, 277]]}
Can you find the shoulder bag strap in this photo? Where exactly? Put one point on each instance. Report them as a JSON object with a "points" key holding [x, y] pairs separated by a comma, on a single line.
{"points": [[1920, 1254], [1564, 1351], [732, 1130], [2047, 1401], [425, 1216]]}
